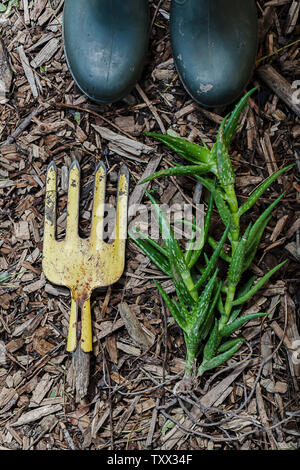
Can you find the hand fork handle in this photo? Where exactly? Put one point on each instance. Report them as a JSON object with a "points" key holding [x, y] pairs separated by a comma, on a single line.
{"points": [[72, 333], [86, 327]]}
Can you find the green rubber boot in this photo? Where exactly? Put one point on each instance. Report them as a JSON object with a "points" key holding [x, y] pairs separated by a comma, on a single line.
{"points": [[105, 45], [214, 46]]}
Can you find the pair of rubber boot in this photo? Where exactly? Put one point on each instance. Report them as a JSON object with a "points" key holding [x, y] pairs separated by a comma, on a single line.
{"points": [[214, 45]]}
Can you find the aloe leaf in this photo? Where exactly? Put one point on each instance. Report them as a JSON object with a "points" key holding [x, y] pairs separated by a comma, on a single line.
{"points": [[236, 266], [182, 170], [156, 257], [205, 144], [208, 216], [234, 314], [232, 123], [213, 260], [179, 317], [213, 243], [183, 294], [252, 249], [218, 360], [221, 306], [242, 291], [167, 233], [225, 171], [262, 218], [259, 191], [212, 343], [179, 269], [236, 324], [230, 343], [255, 236], [205, 329], [149, 240], [190, 249], [191, 243], [201, 307], [188, 150], [258, 285], [197, 253], [222, 207]]}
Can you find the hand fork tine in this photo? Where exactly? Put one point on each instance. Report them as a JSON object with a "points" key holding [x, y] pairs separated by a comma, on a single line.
{"points": [[98, 205], [50, 208], [84, 264], [121, 222], [73, 203]]}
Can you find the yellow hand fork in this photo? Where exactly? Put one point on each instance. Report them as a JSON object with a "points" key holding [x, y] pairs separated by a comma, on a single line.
{"points": [[84, 264]]}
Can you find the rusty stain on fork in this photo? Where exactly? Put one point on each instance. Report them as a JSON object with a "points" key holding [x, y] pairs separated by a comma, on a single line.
{"points": [[84, 264]]}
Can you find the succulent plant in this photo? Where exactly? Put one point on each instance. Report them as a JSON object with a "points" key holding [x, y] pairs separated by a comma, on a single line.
{"points": [[207, 306]]}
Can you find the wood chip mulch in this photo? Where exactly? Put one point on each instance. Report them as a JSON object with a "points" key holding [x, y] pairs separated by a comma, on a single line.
{"points": [[252, 402]]}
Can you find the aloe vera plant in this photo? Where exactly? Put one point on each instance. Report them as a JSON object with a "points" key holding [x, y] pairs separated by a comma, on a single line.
{"points": [[197, 297], [209, 308]]}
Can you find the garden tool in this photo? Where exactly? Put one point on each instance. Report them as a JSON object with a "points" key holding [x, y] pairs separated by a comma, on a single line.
{"points": [[84, 264]]}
